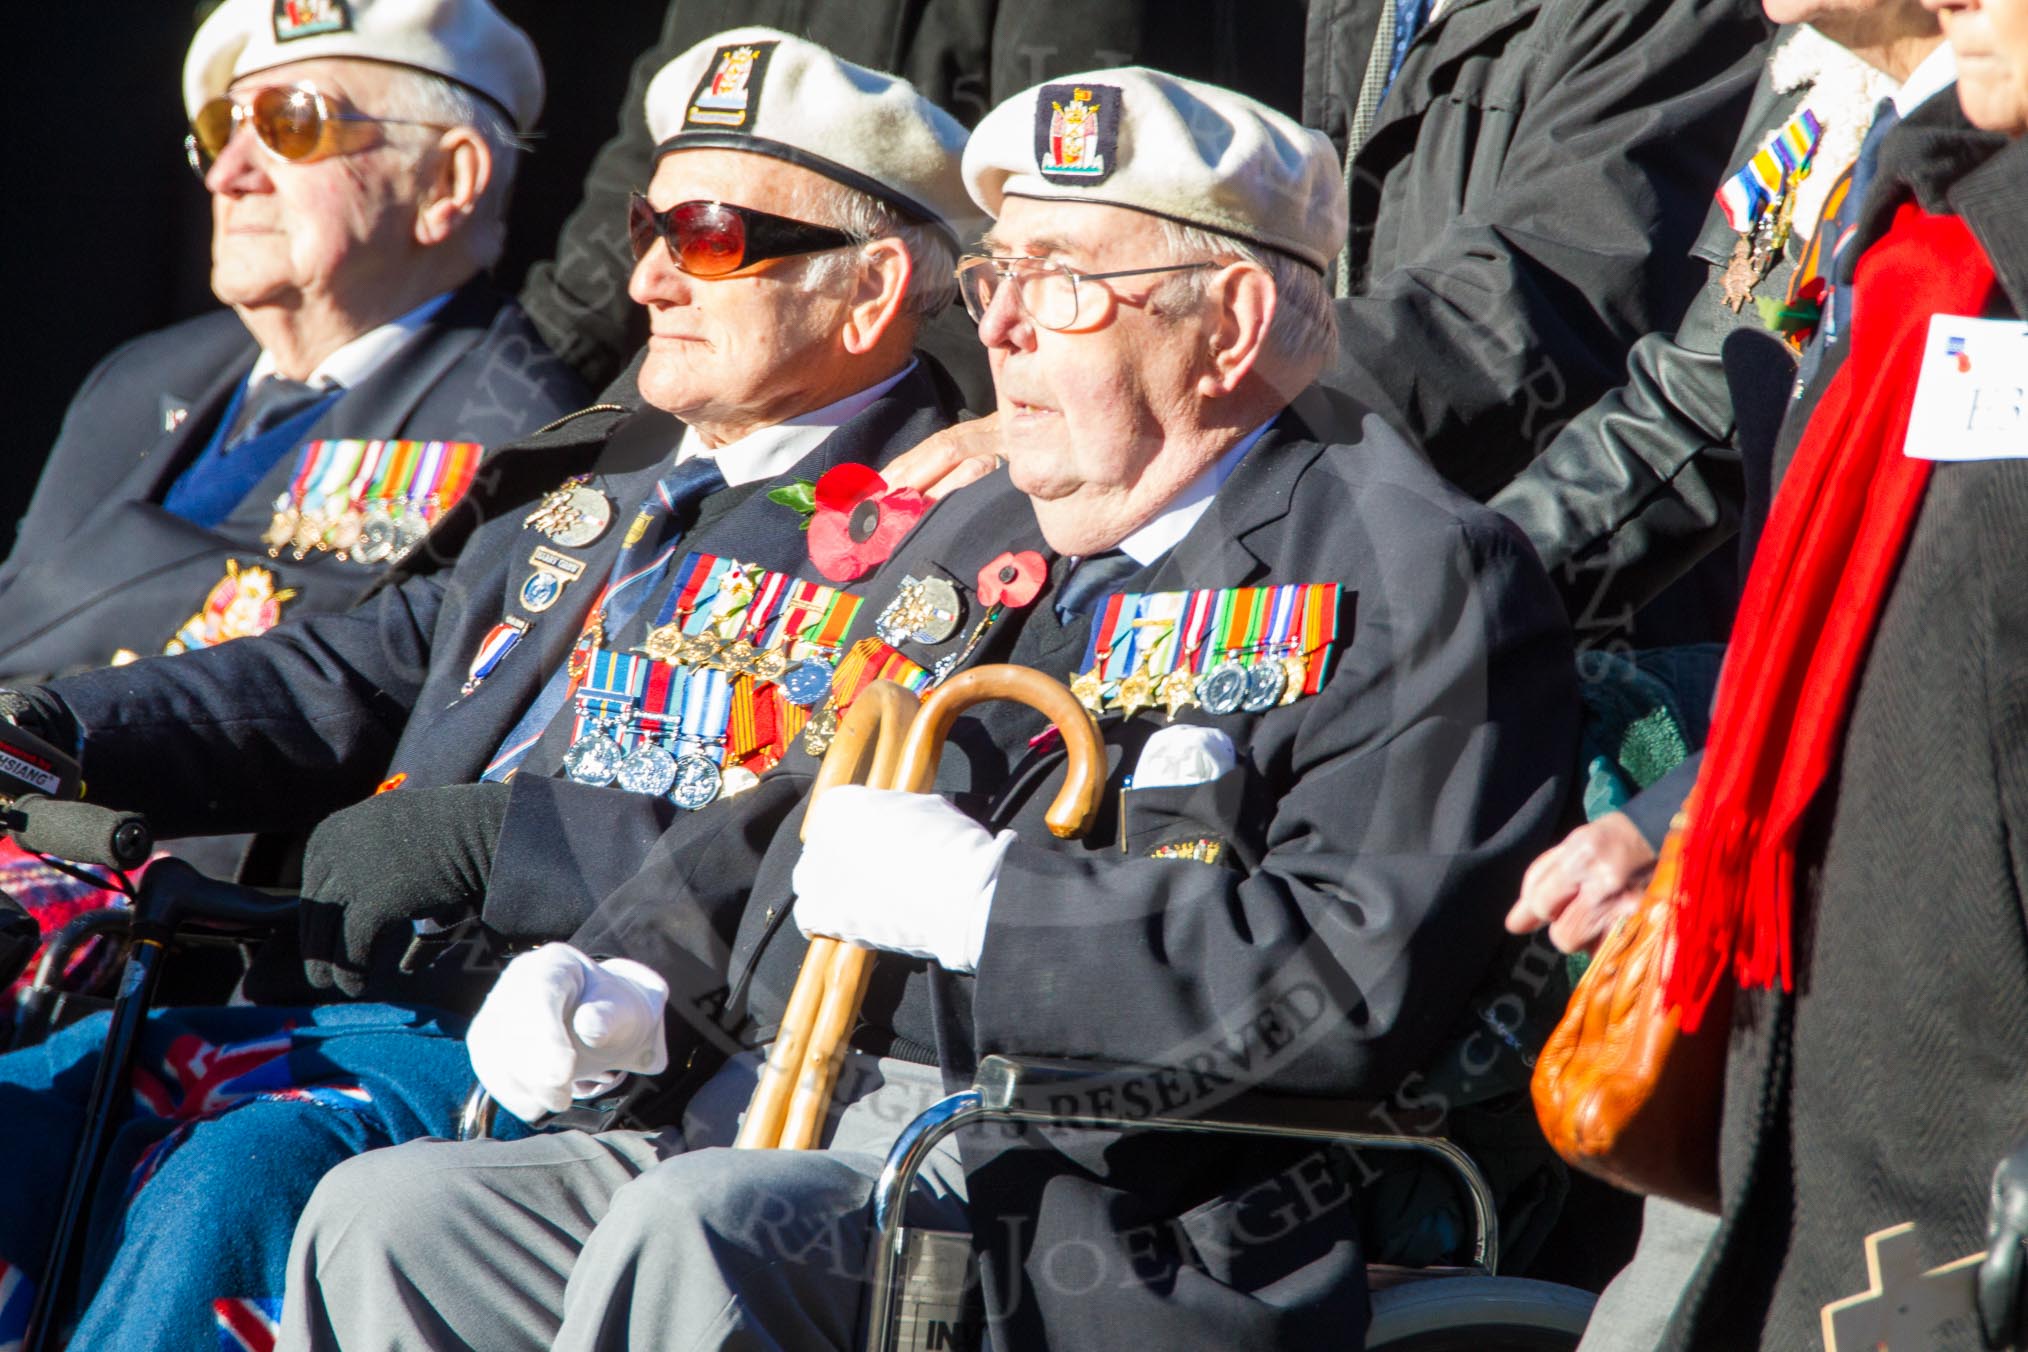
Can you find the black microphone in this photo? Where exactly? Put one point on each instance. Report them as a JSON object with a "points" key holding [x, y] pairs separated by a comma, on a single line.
{"points": [[84, 833]]}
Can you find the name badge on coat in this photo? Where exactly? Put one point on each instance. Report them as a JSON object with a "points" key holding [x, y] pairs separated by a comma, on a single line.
{"points": [[1971, 399]]}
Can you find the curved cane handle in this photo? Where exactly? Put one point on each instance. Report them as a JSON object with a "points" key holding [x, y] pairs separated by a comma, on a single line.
{"points": [[865, 750], [867, 746], [1077, 802]]}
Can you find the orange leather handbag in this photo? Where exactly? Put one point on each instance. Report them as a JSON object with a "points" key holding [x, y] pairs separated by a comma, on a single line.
{"points": [[1622, 1092]]}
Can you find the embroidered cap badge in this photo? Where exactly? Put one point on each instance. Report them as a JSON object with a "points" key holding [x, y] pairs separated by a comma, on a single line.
{"points": [[310, 18]]}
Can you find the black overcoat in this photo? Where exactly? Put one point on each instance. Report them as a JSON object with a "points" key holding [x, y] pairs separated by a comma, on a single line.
{"points": [[1887, 1087]]}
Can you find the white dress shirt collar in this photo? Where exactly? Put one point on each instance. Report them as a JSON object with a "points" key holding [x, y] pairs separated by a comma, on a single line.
{"points": [[1162, 534], [1937, 72], [360, 358], [773, 451]]}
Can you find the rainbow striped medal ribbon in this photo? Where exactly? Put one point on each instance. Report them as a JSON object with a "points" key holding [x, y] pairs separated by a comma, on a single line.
{"points": [[1759, 202]]}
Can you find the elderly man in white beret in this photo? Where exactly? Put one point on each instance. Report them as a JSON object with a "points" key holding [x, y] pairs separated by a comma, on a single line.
{"points": [[359, 157], [1337, 702], [800, 225]]}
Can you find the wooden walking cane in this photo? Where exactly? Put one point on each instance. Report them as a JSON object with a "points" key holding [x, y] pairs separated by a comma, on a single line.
{"points": [[865, 750], [848, 967]]}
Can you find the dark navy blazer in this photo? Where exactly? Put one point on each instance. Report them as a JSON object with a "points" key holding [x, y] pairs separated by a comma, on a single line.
{"points": [[98, 565], [1376, 832]]}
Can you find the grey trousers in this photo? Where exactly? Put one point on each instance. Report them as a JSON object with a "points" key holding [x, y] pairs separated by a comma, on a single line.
{"points": [[616, 1240], [1634, 1309]]}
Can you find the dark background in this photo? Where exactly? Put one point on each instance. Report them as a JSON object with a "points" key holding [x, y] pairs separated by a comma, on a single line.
{"points": [[112, 231]]}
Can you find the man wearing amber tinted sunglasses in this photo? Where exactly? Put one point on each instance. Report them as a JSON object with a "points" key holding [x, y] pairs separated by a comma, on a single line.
{"points": [[358, 160]]}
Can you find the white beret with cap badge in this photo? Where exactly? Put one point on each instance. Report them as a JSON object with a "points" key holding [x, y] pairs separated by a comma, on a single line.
{"points": [[468, 41], [772, 93], [1195, 153]]}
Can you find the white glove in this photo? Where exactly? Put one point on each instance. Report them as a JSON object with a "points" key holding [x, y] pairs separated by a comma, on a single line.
{"points": [[1183, 754], [902, 872], [557, 1025]]}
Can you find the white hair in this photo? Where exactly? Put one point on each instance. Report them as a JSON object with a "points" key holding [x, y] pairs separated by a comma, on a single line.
{"points": [[932, 281], [1305, 324], [421, 96]]}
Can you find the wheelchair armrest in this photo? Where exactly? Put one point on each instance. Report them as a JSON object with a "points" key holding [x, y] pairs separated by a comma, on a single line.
{"points": [[1113, 1094], [1093, 1094]]}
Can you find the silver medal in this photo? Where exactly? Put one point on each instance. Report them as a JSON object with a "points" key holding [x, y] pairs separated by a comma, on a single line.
{"points": [[1223, 688], [926, 610], [1265, 683], [409, 530], [582, 518], [648, 769], [376, 537], [593, 759], [941, 609], [738, 780], [697, 782]]}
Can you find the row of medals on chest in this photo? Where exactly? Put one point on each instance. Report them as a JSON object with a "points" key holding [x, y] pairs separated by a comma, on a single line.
{"points": [[926, 610], [373, 532], [1230, 686], [690, 779]]}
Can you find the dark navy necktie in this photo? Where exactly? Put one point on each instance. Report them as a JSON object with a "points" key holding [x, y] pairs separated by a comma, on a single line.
{"points": [[652, 537], [1095, 577], [270, 404]]}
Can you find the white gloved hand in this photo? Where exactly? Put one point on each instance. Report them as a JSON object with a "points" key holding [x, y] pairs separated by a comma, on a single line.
{"points": [[557, 1025], [901, 872], [1183, 754]]}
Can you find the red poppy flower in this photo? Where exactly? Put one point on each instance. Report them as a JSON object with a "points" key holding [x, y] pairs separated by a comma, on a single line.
{"points": [[1013, 580], [859, 521]]}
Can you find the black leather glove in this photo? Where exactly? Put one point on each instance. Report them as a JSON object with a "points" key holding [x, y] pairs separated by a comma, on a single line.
{"points": [[38, 710], [412, 854], [2003, 1277]]}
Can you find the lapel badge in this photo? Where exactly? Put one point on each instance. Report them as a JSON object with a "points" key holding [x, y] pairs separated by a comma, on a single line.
{"points": [[173, 415], [926, 610], [573, 515], [553, 572]]}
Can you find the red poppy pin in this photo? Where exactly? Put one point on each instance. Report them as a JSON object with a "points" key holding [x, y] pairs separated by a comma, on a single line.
{"points": [[859, 520], [1013, 580]]}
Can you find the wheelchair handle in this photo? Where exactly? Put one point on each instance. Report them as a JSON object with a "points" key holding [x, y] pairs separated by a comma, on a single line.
{"points": [[173, 893], [83, 832]]}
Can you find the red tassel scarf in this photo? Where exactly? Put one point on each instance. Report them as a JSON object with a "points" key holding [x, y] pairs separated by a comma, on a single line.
{"points": [[1826, 560]]}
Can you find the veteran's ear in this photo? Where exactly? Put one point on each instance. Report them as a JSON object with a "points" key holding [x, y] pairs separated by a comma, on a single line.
{"points": [[1240, 307], [459, 169], [875, 303]]}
